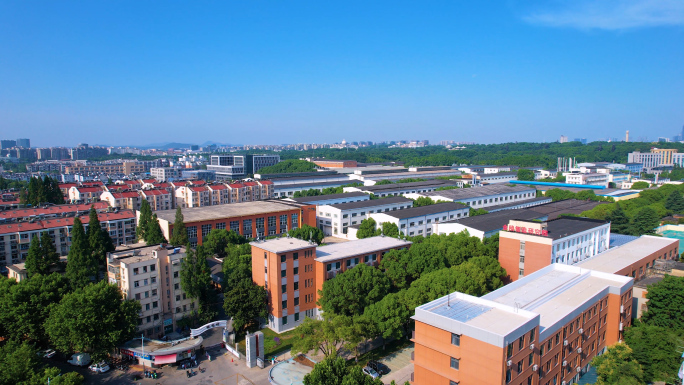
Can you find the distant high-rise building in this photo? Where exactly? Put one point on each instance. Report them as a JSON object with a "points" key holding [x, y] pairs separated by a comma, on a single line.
{"points": [[563, 139], [25, 143], [5, 144], [581, 140], [627, 136]]}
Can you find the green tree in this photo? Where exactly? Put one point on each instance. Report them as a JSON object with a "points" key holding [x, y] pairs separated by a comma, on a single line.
{"points": [[525, 174], [195, 276], [19, 363], [619, 222], [390, 229], [640, 185], [330, 371], [366, 229], [617, 366], [34, 260], [104, 320], [236, 268], [179, 236], [153, 233], [656, 349], [390, 316], [144, 219], [24, 307], [98, 238], [350, 292], [666, 303], [245, 302], [475, 212], [306, 233], [423, 201], [289, 166], [383, 182], [82, 267], [326, 335], [645, 221], [675, 202], [216, 242]]}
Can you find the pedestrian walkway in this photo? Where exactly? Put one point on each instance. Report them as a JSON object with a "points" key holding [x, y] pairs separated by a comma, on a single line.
{"points": [[400, 366]]}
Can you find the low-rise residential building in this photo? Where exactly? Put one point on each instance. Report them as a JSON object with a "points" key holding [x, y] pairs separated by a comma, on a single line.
{"points": [[527, 246], [542, 329], [421, 220], [159, 199], [50, 211], [587, 179], [499, 177], [193, 196], [249, 219], [82, 194], [15, 237], [124, 200], [151, 276], [481, 197], [335, 219]]}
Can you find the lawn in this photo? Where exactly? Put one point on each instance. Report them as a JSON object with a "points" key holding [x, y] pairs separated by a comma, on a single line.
{"points": [[271, 347]]}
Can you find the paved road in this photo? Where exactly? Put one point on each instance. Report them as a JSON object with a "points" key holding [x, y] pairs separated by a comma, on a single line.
{"points": [[400, 366]]}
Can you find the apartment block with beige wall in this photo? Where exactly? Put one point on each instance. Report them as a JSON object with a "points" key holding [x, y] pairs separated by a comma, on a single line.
{"points": [[151, 276], [527, 246], [543, 329]]}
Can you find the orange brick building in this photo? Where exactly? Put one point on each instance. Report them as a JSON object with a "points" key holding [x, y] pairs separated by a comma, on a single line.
{"points": [[250, 219], [545, 328], [293, 271], [332, 163], [527, 246]]}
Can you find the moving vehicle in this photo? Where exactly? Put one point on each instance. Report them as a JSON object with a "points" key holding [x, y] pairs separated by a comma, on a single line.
{"points": [[370, 372], [80, 359], [101, 367]]}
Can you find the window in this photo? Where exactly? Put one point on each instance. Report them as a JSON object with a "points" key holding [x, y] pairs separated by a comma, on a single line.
{"points": [[205, 230], [272, 222], [296, 285], [137, 296], [284, 319], [154, 292], [153, 279], [284, 304], [153, 267], [521, 342], [530, 359], [283, 273], [532, 335], [296, 270], [135, 271], [175, 274], [284, 288], [192, 232], [235, 226], [509, 350], [247, 227], [520, 366], [296, 301], [155, 304], [508, 376], [136, 284], [295, 256], [260, 223], [454, 363], [296, 317], [455, 339], [283, 258]]}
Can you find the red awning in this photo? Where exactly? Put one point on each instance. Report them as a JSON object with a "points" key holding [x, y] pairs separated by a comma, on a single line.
{"points": [[167, 359]]}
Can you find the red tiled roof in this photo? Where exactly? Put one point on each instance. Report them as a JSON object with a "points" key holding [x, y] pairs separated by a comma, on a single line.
{"points": [[266, 182], [88, 189], [236, 185], [164, 184], [126, 194], [197, 182], [93, 183], [132, 182], [155, 192], [61, 222], [251, 184], [68, 185], [218, 187], [57, 209], [198, 188], [149, 180]]}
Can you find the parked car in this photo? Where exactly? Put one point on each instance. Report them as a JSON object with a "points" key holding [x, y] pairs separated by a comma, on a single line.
{"points": [[99, 367], [370, 372], [49, 353], [80, 359], [379, 367]]}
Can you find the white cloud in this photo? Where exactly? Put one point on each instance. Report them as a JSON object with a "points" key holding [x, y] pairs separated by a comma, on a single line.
{"points": [[611, 14]]}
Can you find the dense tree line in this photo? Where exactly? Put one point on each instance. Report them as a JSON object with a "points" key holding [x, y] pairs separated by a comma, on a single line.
{"points": [[12, 183], [289, 166], [641, 215], [326, 191], [148, 228], [39, 191]]}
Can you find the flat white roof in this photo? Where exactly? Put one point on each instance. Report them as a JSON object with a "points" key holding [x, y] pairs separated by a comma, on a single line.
{"points": [[618, 258], [550, 298], [282, 245], [362, 246]]}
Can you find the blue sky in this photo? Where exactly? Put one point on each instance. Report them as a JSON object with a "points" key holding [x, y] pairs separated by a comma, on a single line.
{"points": [[137, 72]]}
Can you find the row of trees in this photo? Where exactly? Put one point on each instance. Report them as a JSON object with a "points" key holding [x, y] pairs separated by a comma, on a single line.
{"points": [[557, 194], [364, 303], [39, 191], [11, 184], [289, 166], [641, 215], [326, 191], [652, 348], [149, 229]]}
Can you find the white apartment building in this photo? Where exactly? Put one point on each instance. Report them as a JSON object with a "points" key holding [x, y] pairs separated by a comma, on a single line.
{"points": [[481, 197], [500, 177], [151, 276], [159, 199], [420, 220], [165, 174], [335, 219]]}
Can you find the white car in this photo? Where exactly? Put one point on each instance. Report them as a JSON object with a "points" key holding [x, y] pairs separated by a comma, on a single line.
{"points": [[370, 372], [100, 367], [49, 353]]}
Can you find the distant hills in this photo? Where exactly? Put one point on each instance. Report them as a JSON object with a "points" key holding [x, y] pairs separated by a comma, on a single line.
{"points": [[166, 146]]}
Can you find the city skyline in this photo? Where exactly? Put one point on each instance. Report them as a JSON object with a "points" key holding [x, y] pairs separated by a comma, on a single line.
{"points": [[299, 73]]}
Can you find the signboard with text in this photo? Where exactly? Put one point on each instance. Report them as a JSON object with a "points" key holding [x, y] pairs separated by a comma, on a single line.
{"points": [[525, 230]]}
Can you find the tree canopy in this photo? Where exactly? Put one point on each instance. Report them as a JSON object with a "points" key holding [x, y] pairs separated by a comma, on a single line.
{"points": [[350, 292], [82, 266], [289, 166], [306, 233], [179, 236], [366, 228], [334, 371], [44, 190], [617, 366], [525, 174], [245, 302]]}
